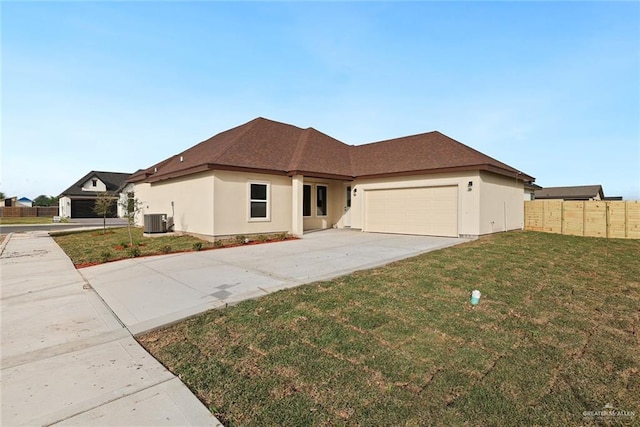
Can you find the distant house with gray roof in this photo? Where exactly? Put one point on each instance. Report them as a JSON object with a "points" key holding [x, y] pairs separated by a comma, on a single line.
{"points": [[578, 192], [78, 201]]}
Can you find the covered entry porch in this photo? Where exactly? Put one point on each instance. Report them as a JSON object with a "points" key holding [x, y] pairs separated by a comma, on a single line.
{"points": [[319, 203]]}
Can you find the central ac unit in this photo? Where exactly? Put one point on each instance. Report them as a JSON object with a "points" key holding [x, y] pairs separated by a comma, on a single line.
{"points": [[155, 223]]}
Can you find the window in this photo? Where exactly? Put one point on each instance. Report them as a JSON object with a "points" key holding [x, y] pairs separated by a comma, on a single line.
{"points": [[258, 201], [130, 202], [306, 200], [321, 200], [94, 182]]}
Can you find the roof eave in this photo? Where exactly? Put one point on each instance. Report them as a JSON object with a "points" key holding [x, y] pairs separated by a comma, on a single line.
{"points": [[311, 174], [209, 167], [484, 167]]}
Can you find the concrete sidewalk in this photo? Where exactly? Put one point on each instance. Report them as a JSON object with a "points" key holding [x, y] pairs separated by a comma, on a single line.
{"points": [[66, 358], [147, 293]]}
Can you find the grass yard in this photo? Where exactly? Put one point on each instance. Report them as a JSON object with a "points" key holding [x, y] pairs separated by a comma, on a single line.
{"points": [[92, 247], [556, 333]]}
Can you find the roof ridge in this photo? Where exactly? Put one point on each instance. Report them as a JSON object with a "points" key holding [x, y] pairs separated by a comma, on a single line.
{"points": [[301, 144], [246, 127]]}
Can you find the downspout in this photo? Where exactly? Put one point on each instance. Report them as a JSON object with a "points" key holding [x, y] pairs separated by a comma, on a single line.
{"points": [[505, 215]]}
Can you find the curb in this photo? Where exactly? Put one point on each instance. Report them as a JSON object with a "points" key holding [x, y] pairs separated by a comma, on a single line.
{"points": [[4, 243]]}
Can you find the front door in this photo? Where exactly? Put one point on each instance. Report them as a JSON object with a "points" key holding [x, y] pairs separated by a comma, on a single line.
{"points": [[346, 218]]}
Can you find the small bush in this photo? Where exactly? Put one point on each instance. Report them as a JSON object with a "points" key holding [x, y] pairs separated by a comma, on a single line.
{"points": [[105, 255], [134, 252], [241, 239], [262, 238], [197, 246], [124, 244], [282, 236], [218, 244], [166, 249]]}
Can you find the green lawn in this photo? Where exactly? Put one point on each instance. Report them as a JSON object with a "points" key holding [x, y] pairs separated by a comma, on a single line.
{"points": [[556, 333], [88, 247], [95, 246]]}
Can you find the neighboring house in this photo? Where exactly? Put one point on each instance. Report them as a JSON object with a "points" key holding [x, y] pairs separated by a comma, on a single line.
{"points": [[580, 192], [25, 202], [10, 202], [265, 177], [79, 200], [529, 190]]}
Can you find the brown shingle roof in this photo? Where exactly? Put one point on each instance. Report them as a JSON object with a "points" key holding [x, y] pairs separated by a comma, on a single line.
{"points": [[269, 146], [426, 152]]}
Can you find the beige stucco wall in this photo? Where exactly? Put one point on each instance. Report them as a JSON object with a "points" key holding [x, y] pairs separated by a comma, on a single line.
{"points": [[231, 203], [192, 199], [501, 203], [468, 201]]}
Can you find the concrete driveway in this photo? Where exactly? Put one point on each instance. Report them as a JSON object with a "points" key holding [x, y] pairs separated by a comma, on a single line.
{"points": [[146, 293], [67, 360]]}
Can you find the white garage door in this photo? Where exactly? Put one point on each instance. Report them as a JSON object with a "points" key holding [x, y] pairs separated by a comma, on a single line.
{"points": [[431, 211]]}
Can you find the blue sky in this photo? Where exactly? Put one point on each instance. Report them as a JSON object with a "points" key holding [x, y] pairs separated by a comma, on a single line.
{"points": [[550, 88]]}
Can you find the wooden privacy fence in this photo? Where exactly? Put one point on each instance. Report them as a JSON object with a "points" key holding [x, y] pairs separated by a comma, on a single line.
{"points": [[22, 212], [614, 219]]}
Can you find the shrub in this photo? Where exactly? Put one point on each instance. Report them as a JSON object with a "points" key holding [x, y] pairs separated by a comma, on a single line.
{"points": [[282, 236], [218, 244], [134, 252], [197, 246], [124, 244], [262, 238], [105, 255], [241, 239], [166, 249]]}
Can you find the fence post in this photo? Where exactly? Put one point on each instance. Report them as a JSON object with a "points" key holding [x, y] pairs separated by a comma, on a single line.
{"points": [[607, 220], [584, 217], [626, 219], [562, 217]]}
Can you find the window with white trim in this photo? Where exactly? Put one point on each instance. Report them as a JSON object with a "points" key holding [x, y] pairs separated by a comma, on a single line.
{"points": [[258, 201], [321, 200]]}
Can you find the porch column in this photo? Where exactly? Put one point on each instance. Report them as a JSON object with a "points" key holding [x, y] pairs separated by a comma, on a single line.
{"points": [[297, 182]]}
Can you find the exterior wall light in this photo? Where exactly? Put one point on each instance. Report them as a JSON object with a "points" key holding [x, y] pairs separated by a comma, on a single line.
{"points": [[355, 191], [470, 186]]}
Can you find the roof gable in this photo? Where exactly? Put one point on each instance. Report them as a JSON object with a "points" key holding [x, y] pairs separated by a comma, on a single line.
{"points": [[112, 181]]}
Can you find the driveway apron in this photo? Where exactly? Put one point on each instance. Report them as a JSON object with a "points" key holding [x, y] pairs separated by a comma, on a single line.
{"points": [[147, 293], [67, 359]]}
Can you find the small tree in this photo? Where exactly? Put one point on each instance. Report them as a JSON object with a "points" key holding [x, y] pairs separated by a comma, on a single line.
{"points": [[104, 203], [131, 207]]}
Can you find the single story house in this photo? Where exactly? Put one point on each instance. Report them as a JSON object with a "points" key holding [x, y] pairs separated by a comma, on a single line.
{"points": [[578, 192], [530, 189], [79, 200], [25, 202], [265, 177]]}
